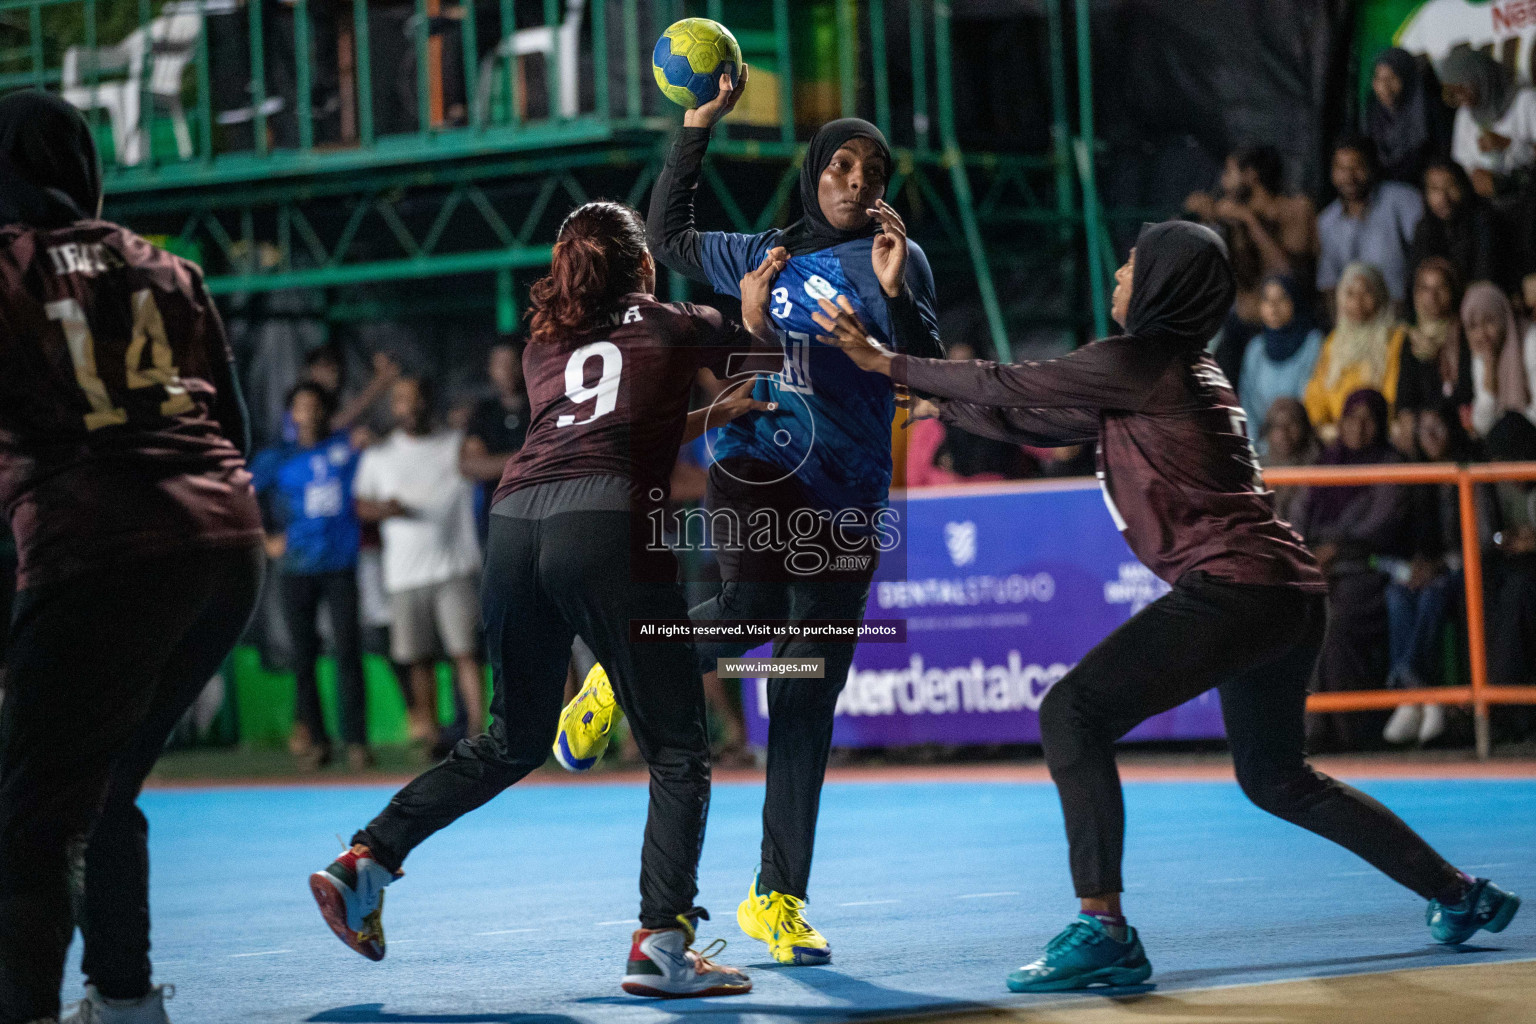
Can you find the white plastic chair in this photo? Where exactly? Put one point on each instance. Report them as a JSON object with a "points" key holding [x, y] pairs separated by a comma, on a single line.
{"points": [[171, 41], [544, 39]]}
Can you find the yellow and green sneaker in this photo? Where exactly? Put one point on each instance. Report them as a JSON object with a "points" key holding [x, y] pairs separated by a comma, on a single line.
{"points": [[779, 920], [586, 723]]}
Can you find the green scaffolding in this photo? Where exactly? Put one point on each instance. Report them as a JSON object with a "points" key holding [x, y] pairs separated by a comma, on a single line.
{"points": [[485, 196]]}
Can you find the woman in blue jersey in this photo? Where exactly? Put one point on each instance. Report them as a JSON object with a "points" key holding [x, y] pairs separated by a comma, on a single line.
{"points": [[818, 465]]}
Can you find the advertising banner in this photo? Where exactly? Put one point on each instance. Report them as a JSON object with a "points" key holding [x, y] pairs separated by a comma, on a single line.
{"points": [[1005, 587]]}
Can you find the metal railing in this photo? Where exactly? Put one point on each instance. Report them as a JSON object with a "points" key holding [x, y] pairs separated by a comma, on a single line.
{"points": [[1479, 695]]}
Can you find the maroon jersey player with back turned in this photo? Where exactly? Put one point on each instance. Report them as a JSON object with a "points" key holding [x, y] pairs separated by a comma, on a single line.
{"points": [[122, 470], [609, 371], [1246, 613]]}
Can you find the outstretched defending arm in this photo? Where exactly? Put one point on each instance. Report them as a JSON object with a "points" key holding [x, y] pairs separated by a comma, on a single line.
{"points": [[1039, 428]]}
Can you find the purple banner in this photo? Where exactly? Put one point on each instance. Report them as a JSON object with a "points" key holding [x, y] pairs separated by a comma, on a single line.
{"points": [[1004, 588]]}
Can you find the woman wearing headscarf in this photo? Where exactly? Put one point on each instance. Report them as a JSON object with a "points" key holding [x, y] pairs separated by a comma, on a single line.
{"points": [[1494, 136], [1503, 365], [826, 448], [1364, 350], [1247, 611], [1279, 361], [1459, 225], [1436, 366], [1289, 441], [1404, 115]]}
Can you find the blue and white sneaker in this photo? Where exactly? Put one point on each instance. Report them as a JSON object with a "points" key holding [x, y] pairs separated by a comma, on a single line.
{"points": [[350, 893], [1485, 907], [1084, 954]]}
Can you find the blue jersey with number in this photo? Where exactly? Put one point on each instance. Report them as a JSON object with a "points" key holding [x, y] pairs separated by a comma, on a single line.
{"points": [[832, 428], [313, 488]]}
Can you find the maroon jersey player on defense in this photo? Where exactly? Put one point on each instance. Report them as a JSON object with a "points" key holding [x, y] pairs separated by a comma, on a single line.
{"points": [[609, 371], [1246, 613], [122, 470]]}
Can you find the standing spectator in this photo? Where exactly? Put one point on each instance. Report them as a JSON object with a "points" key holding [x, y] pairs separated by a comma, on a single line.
{"points": [[1346, 528], [496, 428], [325, 366], [1459, 226], [411, 485], [1288, 441], [1495, 132], [1364, 350], [1404, 115], [1280, 362], [1371, 221], [1437, 366], [1420, 588], [1503, 367], [311, 480]]}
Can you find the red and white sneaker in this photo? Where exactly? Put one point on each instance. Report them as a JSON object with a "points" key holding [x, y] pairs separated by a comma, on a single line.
{"points": [[662, 966], [350, 893]]}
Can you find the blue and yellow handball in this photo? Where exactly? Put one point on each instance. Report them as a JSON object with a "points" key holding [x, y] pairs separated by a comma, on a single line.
{"points": [[690, 57]]}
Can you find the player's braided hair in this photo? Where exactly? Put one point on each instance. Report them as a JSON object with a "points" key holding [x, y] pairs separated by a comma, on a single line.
{"points": [[599, 256]]}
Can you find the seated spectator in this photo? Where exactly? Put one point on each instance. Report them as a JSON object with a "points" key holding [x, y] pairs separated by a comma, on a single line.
{"points": [[1494, 136], [1404, 115], [1279, 362], [1288, 441], [1503, 366], [1371, 221], [410, 484], [311, 479], [1459, 226], [1347, 527], [1364, 350], [1420, 588], [1437, 366], [1511, 577]]}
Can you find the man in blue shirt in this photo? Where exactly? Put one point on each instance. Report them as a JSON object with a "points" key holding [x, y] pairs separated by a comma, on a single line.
{"points": [[1371, 221], [817, 462], [309, 482]]}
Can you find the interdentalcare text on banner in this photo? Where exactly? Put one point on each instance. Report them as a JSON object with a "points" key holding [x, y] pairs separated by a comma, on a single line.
{"points": [[1004, 589]]}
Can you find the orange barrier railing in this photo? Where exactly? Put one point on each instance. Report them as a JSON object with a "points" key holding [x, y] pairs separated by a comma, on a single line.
{"points": [[1479, 695]]}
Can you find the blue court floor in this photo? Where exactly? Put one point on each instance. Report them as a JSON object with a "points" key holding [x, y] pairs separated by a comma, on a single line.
{"points": [[929, 891]]}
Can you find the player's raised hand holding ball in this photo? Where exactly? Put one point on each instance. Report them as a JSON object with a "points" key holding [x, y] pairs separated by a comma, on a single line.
{"points": [[697, 64]]}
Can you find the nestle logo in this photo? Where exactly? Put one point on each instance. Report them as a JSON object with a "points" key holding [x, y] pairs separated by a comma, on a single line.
{"points": [[1514, 15]]}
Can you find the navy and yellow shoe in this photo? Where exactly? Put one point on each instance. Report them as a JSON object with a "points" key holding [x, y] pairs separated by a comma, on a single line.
{"points": [[779, 920], [1485, 907], [1084, 954], [586, 723]]}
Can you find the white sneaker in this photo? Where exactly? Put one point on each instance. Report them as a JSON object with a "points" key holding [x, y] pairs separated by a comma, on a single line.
{"points": [[96, 1008], [662, 966], [1433, 724], [1403, 726]]}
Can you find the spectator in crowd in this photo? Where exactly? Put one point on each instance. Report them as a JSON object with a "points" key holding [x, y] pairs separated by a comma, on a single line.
{"points": [[1459, 225], [1364, 350], [1347, 527], [1267, 232], [1288, 441], [411, 485], [326, 367], [1436, 366], [1279, 362], [1494, 137], [499, 423], [311, 481], [1511, 587], [1503, 366], [1371, 221], [1420, 588], [1404, 115]]}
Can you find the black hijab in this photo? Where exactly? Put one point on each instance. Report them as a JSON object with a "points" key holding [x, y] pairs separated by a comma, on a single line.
{"points": [[1183, 286], [50, 173], [813, 232], [1402, 136]]}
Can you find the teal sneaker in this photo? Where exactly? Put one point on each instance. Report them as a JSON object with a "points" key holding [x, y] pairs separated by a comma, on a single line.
{"points": [[1485, 907], [1084, 954]]}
